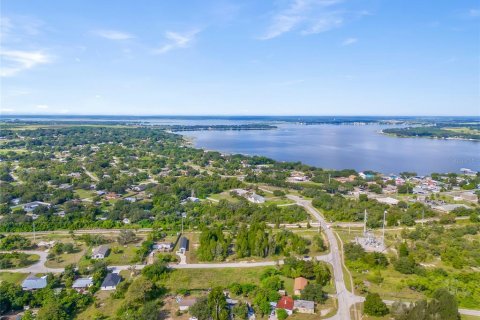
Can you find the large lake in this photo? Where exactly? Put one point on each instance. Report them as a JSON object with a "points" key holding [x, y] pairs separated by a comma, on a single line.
{"points": [[345, 146]]}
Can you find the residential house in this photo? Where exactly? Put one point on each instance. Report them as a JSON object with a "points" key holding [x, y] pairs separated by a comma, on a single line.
{"points": [[193, 199], [388, 200], [185, 303], [304, 306], [240, 192], [110, 282], [61, 214], [65, 186], [111, 196], [183, 245], [46, 244], [100, 252], [130, 199], [29, 207], [34, 283], [468, 196], [82, 284], [299, 284], [140, 187], [285, 303], [255, 198], [163, 246], [74, 175]]}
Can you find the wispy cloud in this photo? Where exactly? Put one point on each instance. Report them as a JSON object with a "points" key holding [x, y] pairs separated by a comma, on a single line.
{"points": [[16, 61], [288, 83], [42, 106], [309, 16], [474, 13], [349, 41], [113, 35], [176, 40]]}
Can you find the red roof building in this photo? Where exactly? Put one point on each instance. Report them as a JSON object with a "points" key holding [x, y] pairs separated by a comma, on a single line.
{"points": [[285, 303]]}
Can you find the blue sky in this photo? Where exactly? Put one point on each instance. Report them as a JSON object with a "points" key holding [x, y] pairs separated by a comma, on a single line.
{"points": [[289, 57]]}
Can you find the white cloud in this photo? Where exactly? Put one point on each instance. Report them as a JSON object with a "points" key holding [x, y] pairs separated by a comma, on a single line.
{"points": [[176, 40], [15, 61], [474, 13], [311, 16], [349, 41], [113, 34], [5, 27], [8, 110], [42, 106]]}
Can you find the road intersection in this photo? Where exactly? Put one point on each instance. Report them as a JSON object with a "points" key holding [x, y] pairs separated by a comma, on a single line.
{"points": [[346, 299]]}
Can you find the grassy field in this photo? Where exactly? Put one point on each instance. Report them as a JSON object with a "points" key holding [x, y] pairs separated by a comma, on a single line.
{"points": [[464, 130], [121, 255], [203, 279], [5, 151], [66, 258], [31, 259], [84, 194], [12, 277], [104, 305]]}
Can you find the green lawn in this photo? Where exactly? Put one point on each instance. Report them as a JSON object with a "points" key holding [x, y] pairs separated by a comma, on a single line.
{"points": [[103, 305], [31, 259], [121, 255], [84, 194], [66, 258], [202, 279], [12, 277]]}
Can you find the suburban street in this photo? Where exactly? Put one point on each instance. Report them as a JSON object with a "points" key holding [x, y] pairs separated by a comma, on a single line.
{"points": [[346, 299]]}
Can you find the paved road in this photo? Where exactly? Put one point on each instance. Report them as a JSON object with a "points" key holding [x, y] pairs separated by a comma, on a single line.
{"points": [[345, 298], [38, 267]]}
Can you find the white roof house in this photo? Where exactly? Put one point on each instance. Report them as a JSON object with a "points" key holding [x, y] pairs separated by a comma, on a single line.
{"points": [[255, 198], [304, 306], [34, 283], [82, 284], [100, 252], [388, 200]]}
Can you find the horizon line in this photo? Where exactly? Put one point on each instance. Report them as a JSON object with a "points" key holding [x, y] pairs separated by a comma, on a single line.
{"points": [[226, 115]]}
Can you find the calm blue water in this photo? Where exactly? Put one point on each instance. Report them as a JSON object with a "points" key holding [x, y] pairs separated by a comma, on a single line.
{"points": [[326, 146], [346, 146]]}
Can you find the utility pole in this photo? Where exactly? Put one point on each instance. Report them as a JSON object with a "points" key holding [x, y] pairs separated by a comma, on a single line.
{"points": [[383, 231], [34, 238], [365, 223], [184, 214], [423, 216]]}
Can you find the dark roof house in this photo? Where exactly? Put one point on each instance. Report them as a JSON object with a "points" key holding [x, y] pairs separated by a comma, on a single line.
{"points": [[111, 281], [183, 245]]}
